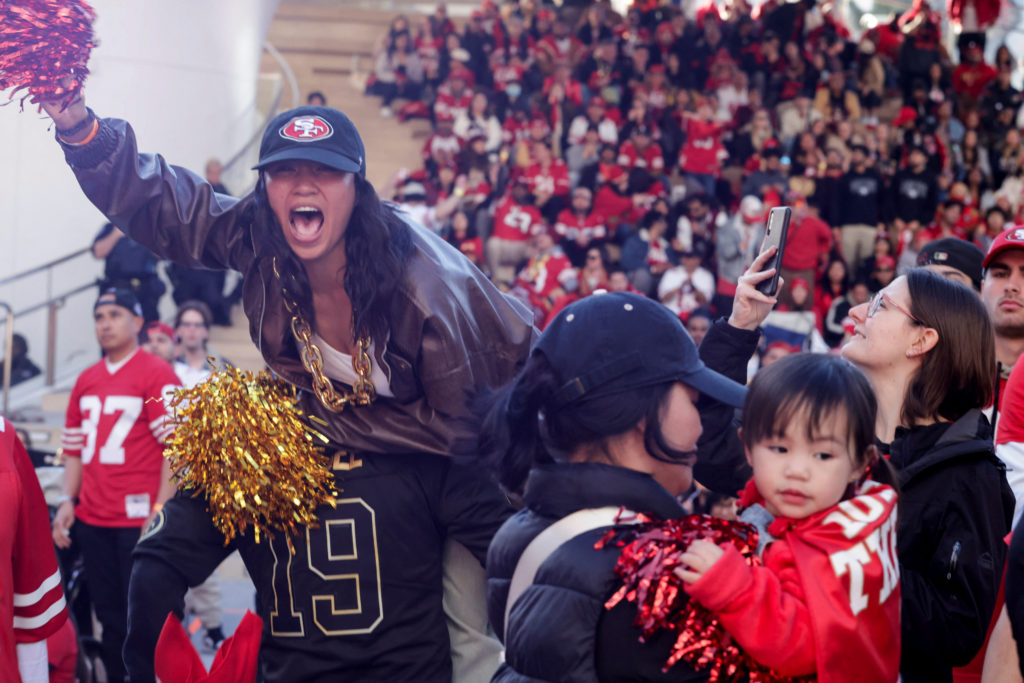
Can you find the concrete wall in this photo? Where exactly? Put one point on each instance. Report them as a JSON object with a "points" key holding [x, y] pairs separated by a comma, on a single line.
{"points": [[185, 74]]}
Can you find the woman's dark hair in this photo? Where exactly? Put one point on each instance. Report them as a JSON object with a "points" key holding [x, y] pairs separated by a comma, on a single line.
{"points": [[377, 244], [820, 387], [826, 283], [523, 427], [959, 373]]}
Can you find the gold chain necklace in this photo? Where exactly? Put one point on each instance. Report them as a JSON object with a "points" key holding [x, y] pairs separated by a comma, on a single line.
{"points": [[363, 391]]}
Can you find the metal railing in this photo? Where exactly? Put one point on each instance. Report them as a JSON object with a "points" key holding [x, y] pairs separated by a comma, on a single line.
{"points": [[52, 303]]}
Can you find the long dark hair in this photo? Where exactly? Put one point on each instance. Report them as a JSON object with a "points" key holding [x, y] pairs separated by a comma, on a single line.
{"points": [[377, 243], [523, 427], [959, 373]]}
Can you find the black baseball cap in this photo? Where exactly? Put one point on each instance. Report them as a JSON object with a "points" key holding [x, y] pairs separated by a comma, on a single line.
{"points": [[955, 253], [612, 342], [320, 134], [119, 296]]}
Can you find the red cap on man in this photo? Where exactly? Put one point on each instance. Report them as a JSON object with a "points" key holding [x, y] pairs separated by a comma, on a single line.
{"points": [[1011, 238]]}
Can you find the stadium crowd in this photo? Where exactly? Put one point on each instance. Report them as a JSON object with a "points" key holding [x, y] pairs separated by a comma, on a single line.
{"points": [[574, 151], [580, 149]]}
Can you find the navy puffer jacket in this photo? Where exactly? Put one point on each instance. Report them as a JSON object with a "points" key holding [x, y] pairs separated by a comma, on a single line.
{"points": [[559, 629]]}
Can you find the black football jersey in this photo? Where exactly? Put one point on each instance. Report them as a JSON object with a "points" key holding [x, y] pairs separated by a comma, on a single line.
{"points": [[360, 600]]}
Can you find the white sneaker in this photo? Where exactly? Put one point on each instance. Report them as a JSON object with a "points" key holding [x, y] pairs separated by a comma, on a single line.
{"points": [[386, 112]]}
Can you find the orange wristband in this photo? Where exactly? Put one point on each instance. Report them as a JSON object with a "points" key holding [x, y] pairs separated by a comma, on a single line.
{"points": [[88, 138]]}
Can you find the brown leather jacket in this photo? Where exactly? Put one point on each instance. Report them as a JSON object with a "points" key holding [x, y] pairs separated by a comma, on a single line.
{"points": [[452, 332]]}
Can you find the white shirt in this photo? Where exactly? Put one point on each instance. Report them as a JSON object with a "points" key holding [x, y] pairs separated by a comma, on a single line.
{"points": [[338, 366]]}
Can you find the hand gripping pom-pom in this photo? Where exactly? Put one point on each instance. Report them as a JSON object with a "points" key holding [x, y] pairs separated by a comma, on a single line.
{"points": [[240, 440], [650, 552], [44, 48]]}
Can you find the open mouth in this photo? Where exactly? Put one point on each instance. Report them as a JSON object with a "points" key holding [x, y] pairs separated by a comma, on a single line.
{"points": [[306, 222]]}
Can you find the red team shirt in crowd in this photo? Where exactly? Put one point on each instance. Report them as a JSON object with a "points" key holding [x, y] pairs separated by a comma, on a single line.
{"points": [[703, 147], [553, 180], [516, 222], [650, 158], [580, 229], [32, 603], [116, 423], [828, 596]]}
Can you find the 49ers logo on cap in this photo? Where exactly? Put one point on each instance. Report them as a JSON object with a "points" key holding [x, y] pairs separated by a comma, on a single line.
{"points": [[1017, 235], [307, 129]]}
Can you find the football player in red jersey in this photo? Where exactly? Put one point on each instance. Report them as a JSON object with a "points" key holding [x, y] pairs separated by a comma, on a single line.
{"points": [[115, 476], [32, 607]]}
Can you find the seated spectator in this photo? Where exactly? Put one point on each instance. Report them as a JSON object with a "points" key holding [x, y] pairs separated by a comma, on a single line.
{"points": [[737, 243], [838, 325], [586, 153], [461, 235], [516, 220], [796, 116], [159, 339], [455, 93], [397, 72], [479, 118], [995, 223], [883, 272], [698, 323], [22, 367], [594, 116], [696, 228], [832, 286], [768, 177], [443, 147], [687, 286], [836, 101], [645, 254], [795, 323], [548, 178], [579, 227], [640, 151], [545, 278], [613, 199]]}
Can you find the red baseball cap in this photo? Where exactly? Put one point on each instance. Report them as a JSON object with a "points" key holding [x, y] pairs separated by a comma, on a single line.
{"points": [[906, 115], [1011, 238]]}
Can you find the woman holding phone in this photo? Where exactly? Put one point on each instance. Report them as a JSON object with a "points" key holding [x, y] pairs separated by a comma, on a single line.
{"points": [[927, 347]]}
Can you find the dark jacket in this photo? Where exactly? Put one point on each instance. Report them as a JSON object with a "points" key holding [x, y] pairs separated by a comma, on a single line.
{"points": [[721, 463], [451, 331], [955, 509], [558, 629]]}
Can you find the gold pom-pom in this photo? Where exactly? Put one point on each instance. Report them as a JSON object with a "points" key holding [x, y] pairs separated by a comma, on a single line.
{"points": [[240, 440]]}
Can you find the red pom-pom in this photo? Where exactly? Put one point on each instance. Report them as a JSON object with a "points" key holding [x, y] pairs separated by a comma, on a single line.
{"points": [[650, 552], [42, 43]]}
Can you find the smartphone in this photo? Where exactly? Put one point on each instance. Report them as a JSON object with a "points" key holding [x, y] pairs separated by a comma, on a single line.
{"points": [[775, 236]]}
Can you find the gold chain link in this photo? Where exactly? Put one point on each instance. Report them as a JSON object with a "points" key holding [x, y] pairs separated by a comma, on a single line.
{"points": [[363, 391]]}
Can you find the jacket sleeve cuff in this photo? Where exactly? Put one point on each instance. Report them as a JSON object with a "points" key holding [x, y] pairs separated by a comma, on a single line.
{"points": [[723, 583], [98, 150]]}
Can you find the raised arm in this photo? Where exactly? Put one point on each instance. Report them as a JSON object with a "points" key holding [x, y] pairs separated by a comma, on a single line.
{"points": [[172, 211]]}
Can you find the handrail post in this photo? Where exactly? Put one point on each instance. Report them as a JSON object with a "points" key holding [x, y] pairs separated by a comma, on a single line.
{"points": [[8, 350], [51, 342]]}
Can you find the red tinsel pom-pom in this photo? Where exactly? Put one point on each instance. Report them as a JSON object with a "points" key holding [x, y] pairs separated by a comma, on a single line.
{"points": [[43, 42], [650, 552]]}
